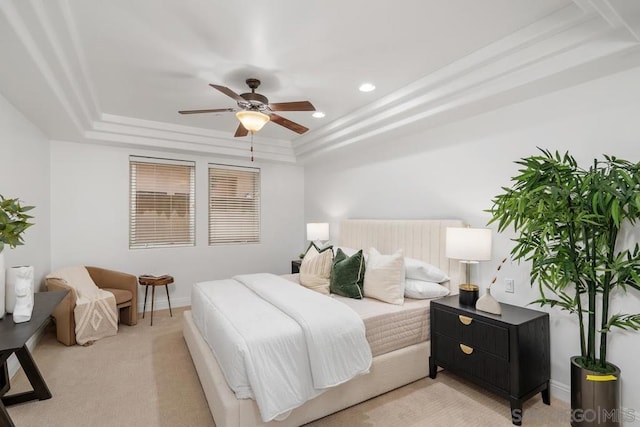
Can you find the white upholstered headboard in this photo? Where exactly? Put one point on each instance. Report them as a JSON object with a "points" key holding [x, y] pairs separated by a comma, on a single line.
{"points": [[421, 239]]}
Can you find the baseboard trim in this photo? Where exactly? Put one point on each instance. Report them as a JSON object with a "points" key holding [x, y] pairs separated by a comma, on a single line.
{"points": [[162, 304], [560, 391]]}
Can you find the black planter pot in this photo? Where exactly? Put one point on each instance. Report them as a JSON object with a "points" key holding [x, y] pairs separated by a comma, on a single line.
{"points": [[595, 397]]}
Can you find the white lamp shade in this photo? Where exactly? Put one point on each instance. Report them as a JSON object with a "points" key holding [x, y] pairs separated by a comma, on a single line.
{"points": [[318, 231], [468, 244], [252, 120]]}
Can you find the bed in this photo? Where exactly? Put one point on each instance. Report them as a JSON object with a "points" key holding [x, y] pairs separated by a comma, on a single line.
{"points": [[421, 239]]}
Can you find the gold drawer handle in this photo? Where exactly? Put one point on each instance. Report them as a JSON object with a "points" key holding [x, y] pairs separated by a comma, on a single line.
{"points": [[466, 349], [465, 320]]}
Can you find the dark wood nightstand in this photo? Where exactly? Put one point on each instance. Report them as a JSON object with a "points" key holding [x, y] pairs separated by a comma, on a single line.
{"points": [[507, 354], [295, 266]]}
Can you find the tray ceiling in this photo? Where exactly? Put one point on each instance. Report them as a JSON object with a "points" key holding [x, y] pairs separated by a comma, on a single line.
{"points": [[117, 72]]}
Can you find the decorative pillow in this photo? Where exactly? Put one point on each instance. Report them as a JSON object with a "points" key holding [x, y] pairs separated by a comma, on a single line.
{"points": [[419, 289], [347, 276], [420, 270], [315, 269], [384, 279], [345, 250]]}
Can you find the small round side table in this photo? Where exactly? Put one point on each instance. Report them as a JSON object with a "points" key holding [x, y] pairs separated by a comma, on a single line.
{"points": [[147, 280]]}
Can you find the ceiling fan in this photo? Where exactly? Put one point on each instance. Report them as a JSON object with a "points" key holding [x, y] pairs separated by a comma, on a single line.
{"points": [[254, 110]]}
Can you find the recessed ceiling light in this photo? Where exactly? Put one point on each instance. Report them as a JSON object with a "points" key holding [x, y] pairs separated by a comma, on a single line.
{"points": [[367, 87], [318, 114]]}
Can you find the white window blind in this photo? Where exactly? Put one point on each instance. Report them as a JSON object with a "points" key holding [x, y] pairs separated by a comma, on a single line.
{"points": [[234, 204], [161, 208]]}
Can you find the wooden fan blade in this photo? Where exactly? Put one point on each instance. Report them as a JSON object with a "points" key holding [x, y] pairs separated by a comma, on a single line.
{"points": [[228, 92], [292, 106], [298, 128], [215, 110], [241, 131]]}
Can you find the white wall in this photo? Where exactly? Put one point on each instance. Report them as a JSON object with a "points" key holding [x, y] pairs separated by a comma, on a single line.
{"points": [[90, 217], [455, 170], [24, 174]]}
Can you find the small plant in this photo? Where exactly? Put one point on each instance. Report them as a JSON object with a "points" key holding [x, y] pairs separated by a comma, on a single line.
{"points": [[13, 222]]}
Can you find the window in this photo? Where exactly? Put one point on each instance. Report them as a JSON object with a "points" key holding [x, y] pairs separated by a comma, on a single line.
{"points": [[161, 208], [234, 205]]}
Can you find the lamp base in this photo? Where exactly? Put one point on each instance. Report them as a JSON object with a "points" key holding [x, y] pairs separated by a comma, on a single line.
{"points": [[468, 295], [488, 304]]}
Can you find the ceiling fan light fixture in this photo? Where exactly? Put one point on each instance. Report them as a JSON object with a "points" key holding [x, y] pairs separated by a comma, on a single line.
{"points": [[252, 121]]}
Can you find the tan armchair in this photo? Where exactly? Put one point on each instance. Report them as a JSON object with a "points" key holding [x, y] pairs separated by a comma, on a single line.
{"points": [[122, 285]]}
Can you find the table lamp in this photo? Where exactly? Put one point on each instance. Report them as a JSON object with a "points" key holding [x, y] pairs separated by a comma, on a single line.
{"points": [[469, 245], [318, 232]]}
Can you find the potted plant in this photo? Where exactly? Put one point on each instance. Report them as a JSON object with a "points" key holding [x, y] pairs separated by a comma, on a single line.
{"points": [[568, 221], [13, 222]]}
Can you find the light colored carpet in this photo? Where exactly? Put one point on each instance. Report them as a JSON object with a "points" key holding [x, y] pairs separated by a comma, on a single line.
{"points": [[144, 376]]}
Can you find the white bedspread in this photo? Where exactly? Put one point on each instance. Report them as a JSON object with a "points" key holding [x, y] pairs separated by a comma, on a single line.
{"points": [[335, 334], [278, 342]]}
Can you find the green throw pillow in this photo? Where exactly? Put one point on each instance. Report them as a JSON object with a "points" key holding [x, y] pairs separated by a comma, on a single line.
{"points": [[347, 275]]}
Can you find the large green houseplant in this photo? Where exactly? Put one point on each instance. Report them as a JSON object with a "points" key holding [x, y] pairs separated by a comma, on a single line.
{"points": [[13, 222], [567, 221]]}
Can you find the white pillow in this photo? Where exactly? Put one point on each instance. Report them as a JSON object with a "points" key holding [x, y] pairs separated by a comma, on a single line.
{"points": [[315, 269], [420, 270], [384, 277], [419, 289]]}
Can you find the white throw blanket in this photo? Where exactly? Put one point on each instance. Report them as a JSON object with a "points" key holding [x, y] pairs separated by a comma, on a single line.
{"points": [[95, 317], [279, 342], [95, 313], [335, 334]]}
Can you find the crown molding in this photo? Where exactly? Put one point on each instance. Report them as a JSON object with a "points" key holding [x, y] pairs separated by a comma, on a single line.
{"points": [[623, 15], [150, 134], [89, 94], [154, 135], [44, 62], [133, 126], [580, 34], [239, 151]]}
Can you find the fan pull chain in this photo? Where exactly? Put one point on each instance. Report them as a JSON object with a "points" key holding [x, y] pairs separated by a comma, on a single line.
{"points": [[252, 146]]}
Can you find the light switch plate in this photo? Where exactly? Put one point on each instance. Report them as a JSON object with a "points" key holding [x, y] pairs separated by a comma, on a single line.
{"points": [[509, 286]]}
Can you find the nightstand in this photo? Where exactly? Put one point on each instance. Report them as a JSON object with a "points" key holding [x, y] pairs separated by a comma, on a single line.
{"points": [[295, 266], [508, 354]]}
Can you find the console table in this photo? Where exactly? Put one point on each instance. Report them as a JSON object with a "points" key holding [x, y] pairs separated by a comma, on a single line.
{"points": [[13, 339]]}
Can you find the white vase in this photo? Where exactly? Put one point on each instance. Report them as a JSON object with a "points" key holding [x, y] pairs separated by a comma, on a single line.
{"points": [[2, 286], [24, 294], [488, 304], [11, 279]]}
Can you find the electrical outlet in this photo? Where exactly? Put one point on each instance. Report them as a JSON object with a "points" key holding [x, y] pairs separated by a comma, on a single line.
{"points": [[509, 286]]}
